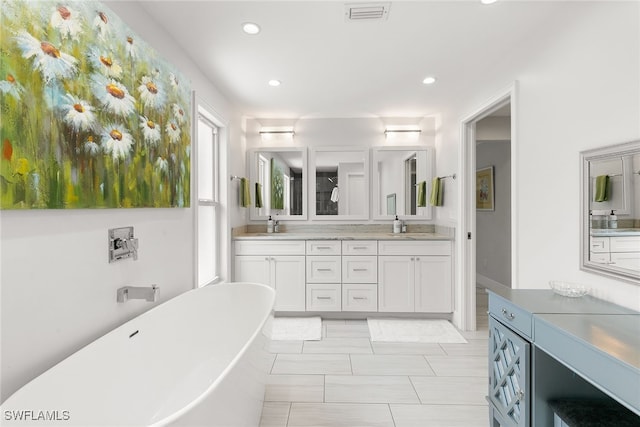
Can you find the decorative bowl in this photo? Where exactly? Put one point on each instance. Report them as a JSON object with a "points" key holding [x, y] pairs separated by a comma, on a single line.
{"points": [[567, 289]]}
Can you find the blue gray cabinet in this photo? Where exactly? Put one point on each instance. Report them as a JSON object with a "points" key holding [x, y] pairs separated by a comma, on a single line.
{"points": [[544, 346]]}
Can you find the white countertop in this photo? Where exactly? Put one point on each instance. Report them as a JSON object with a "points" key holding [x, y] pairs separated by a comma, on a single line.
{"points": [[341, 236], [614, 232]]}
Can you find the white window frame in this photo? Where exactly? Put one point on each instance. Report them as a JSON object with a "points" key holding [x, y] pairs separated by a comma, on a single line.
{"points": [[214, 202]]}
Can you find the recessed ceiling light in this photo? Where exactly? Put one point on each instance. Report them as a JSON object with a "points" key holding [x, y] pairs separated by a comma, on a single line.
{"points": [[488, 1], [250, 28], [429, 80], [274, 83]]}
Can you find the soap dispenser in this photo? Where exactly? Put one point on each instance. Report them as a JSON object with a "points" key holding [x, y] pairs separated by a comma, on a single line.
{"points": [[613, 220], [270, 225], [397, 225]]}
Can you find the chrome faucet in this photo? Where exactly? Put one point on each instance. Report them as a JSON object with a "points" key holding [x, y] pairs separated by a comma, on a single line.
{"points": [[148, 293]]}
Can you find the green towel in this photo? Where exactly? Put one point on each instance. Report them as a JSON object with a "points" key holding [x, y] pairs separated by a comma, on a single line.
{"points": [[602, 184], [422, 194], [436, 192], [245, 193], [258, 195]]}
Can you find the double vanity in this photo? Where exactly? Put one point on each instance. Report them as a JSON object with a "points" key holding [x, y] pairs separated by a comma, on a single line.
{"points": [[350, 272]]}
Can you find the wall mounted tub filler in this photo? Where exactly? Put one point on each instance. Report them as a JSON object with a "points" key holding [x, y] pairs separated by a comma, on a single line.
{"points": [[148, 293]]}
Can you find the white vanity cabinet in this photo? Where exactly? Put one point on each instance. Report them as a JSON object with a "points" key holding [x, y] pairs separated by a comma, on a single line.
{"points": [[620, 251], [415, 276], [279, 264], [324, 275], [359, 275]]}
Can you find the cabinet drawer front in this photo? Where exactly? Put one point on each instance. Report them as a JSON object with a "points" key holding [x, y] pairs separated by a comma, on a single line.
{"points": [[359, 247], [323, 247], [324, 297], [624, 244], [630, 260], [264, 247], [391, 247], [359, 269], [323, 269], [599, 244], [357, 297], [602, 258], [510, 315]]}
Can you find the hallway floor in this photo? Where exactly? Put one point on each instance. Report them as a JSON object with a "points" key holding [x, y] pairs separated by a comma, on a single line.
{"points": [[346, 380]]}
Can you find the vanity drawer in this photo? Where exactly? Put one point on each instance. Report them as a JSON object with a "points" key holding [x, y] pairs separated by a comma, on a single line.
{"points": [[324, 297], [624, 244], [359, 297], [359, 269], [599, 244], [323, 247], [601, 258], [324, 269], [359, 247], [396, 247], [264, 247], [511, 315]]}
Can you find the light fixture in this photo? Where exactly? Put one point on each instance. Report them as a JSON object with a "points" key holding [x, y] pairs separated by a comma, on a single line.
{"points": [[251, 28], [402, 132], [429, 80], [488, 1], [274, 83], [277, 132]]}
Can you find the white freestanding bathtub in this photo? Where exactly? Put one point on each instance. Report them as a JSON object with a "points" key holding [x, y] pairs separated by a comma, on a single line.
{"points": [[200, 359]]}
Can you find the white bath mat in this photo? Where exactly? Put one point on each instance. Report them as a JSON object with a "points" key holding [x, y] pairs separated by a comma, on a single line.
{"points": [[297, 328], [414, 330]]}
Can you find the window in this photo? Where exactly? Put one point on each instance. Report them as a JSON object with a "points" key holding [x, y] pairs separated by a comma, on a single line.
{"points": [[208, 206]]}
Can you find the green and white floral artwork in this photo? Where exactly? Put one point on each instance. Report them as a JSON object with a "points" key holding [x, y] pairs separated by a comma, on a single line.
{"points": [[91, 116]]}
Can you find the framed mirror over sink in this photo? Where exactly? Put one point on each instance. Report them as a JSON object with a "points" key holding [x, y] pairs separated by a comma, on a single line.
{"points": [[402, 179], [610, 211], [281, 177], [340, 182]]}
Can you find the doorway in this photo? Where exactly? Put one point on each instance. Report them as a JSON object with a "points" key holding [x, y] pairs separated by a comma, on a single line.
{"points": [[487, 154]]}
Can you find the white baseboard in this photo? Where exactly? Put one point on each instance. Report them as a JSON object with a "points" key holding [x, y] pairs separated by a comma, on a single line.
{"points": [[490, 283]]}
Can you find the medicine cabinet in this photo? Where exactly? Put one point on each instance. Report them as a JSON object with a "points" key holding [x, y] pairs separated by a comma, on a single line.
{"points": [[402, 179]]}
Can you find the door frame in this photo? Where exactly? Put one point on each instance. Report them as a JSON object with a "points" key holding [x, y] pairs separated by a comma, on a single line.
{"points": [[466, 269]]}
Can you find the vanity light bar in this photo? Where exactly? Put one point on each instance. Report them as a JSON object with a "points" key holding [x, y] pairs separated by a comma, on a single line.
{"points": [[386, 131], [273, 132]]}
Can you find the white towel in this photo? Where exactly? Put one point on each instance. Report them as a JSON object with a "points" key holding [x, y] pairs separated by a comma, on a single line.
{"points": [[335, 194]]}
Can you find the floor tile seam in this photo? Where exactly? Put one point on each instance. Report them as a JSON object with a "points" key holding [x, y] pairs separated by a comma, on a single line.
{"points": [[435, 374], [414, 390], [288, 414], [393, 420], [273, 363]]}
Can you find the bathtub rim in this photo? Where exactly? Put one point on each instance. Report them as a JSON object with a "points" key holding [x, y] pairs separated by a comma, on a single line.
{"points": [[185, 409]]}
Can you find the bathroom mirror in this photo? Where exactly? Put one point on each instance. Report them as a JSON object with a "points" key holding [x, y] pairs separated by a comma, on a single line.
{"points": [[402, 182], [610, 245], [340, 180], [282, 177]]}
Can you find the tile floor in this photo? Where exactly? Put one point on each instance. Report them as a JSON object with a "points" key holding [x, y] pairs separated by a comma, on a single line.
{"points": [[347, 380]]}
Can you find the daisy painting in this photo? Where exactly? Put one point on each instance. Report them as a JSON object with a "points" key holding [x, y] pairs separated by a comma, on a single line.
{"points": [[92, 116]]}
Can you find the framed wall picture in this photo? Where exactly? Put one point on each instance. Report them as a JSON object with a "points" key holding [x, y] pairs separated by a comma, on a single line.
{"points": [[484, 189]]}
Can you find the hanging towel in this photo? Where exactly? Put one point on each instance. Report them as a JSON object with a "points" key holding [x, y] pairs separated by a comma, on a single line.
{"points": [[335, 194], [245, 193], [602, 184], [422, 194], [436, 192], [258, 195]]}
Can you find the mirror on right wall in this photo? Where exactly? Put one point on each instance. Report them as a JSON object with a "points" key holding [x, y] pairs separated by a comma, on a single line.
{"points": [[402, 182], [610, 211]]}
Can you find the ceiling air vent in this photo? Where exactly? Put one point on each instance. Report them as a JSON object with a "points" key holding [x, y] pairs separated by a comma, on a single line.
{"points": [[366, 11]]}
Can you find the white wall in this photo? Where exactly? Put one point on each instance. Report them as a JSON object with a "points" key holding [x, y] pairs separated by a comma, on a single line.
{"points": [[578, 88], [58, 289]]}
